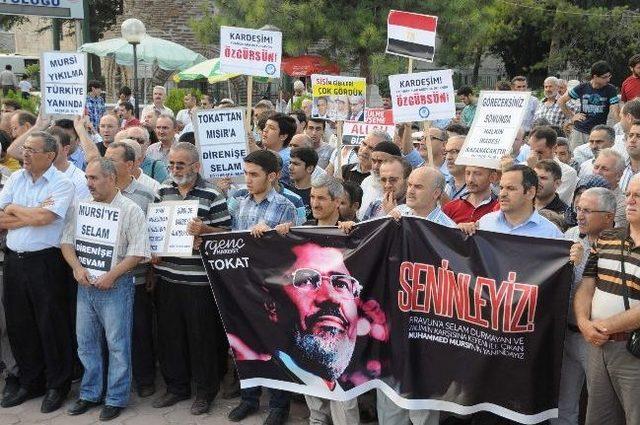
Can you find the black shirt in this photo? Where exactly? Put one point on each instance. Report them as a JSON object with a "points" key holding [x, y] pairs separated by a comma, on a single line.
{"points": [[350, 173], [556, 205], [305, 194]]}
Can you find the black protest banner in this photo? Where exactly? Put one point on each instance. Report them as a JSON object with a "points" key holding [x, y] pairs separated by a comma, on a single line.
{"points": [[433, 319]]}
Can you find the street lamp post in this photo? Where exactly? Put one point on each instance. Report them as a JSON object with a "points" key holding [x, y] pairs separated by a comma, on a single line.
{"points": [[133, 31]]}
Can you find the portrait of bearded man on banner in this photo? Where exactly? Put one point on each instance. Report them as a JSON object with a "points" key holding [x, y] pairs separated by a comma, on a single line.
{"points": [[318, 302]]}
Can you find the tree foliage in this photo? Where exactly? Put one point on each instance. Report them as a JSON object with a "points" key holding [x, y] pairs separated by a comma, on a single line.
{"points": [[535, 38]]}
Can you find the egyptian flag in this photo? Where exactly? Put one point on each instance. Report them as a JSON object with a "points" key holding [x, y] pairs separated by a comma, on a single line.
{"points": [[411, 34]]}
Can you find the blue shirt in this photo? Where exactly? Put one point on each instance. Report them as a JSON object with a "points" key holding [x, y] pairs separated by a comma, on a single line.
{"points": [[155, 169], [78, 159], [536, 226], [274, 209], [95, 109], [285, 154], [21, 190], [294, 198], [436, 215]]}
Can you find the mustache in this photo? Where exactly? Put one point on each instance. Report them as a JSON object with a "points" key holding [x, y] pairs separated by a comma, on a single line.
{"points": [[326, 310]]}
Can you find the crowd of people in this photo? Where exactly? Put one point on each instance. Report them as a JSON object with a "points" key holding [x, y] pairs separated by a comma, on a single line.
{"points": [[571, 174]]}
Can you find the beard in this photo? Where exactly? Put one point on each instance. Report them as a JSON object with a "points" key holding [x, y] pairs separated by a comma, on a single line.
{"points": [[326, 354], [187, 178]]}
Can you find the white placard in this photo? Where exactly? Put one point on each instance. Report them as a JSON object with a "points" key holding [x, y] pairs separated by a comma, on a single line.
{"points": [[97, 233], [222, 141], [167, 224], [64, 83], [354, 132], [338, 98], [498, 117], [422, 96], [250, 52]]}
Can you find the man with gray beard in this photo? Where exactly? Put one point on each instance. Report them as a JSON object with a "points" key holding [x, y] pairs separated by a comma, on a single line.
{"points": [[192, 343]]}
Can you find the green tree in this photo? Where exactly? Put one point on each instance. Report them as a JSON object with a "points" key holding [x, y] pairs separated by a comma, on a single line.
{"points": [[351, 32]]}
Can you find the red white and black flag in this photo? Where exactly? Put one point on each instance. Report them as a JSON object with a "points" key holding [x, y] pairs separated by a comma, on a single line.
{"points": [[411, 34]]}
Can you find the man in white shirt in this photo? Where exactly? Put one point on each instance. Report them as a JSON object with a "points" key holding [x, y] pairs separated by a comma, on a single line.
{"points": [[601, 137], [184, 115], [542, 141], [158, 106]]}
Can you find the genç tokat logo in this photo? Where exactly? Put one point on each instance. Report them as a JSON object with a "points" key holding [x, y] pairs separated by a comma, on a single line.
{"points": [[230, 246]]}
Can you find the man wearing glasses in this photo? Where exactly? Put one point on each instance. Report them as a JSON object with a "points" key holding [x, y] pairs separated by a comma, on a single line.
{"points": [[595, 209], [319, 292], [597, 97], [192, 343], [155, 169], [34, 204]]}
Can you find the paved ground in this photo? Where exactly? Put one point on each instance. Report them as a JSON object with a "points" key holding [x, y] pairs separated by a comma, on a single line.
{"points": [[140, 412]]}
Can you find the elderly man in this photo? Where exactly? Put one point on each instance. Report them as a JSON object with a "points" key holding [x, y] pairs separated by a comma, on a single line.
{"points": [[610, 166], [601, 137], [105, 302], [155, 169], [185, 307], [34, 203], [607, 309], [548, 108], [137, 172], [158, 107], [595, 209]]}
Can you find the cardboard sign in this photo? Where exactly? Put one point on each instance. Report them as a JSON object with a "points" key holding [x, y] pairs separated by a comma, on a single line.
{"points": [[338, 98], [354, 132], [222, 141], [64, 83], [498, 117], [422, 96], [97, 232], [378, 116], [250, 52], [167, 224]]}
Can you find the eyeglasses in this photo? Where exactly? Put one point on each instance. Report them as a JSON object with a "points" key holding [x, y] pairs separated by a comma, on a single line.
{"points": [[312, 279], [178, 166], [29, 151], [452, 152], [587, 211]]}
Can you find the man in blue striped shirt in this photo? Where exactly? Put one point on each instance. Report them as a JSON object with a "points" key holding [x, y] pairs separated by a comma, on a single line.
{"points": [[259, 211]]}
